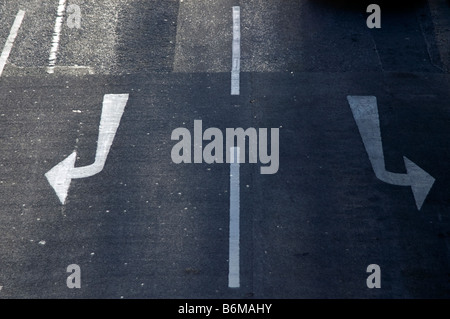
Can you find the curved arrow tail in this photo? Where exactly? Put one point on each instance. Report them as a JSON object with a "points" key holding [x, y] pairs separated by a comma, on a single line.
{"points": [[113, 108]]}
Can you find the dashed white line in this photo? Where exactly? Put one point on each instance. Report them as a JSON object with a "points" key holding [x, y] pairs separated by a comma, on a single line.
{"points": [[56, 36], [11, 38], [233, 261], [236, 53]]}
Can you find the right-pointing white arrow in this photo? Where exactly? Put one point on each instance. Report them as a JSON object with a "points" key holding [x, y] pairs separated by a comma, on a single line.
{"points": [[62, 174], [365, 112]]}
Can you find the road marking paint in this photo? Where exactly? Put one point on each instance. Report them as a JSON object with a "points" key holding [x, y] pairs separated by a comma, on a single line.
{"points": [[233, 261], [56, 36], [365, 113], [11, 38], [62, 174], [236, 50]]}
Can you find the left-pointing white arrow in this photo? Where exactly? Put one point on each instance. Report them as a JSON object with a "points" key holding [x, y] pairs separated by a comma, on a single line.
{"points": [[62, 174]]}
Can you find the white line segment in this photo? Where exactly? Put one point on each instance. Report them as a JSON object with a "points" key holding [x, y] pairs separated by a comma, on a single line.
{"points": [[233, 267], [236, 56], [56, 36], [11, 38]]}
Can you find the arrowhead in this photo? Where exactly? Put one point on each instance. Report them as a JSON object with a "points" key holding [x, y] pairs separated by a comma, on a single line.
{"points": [[59, 176], [421, 181]]}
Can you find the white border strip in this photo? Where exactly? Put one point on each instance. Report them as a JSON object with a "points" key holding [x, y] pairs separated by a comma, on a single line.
{"points": [[233, 269], [11, 38], [56, 36], [236, 58]]}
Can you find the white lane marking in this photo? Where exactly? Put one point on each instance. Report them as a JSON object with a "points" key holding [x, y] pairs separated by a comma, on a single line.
{"points": [[365, 112], [62, 174], [233, 261], [236, 50], [11, 38], [56, 36]]}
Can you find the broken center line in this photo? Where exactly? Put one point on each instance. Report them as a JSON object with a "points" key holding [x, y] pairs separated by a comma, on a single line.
{"points": [[236, 51], [233, 270]]}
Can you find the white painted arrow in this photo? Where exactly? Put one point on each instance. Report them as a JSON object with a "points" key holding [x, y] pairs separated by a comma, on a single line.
{"points": [[62, 174], [365, 112]]}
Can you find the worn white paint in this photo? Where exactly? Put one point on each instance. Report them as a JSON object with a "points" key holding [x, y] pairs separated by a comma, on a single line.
{"points": [[56, 36], [62, 174], [11, 38], [236, 52], [234, 239], [365, 112]]}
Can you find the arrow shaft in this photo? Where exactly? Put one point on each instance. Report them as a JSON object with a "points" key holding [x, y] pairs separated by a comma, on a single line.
{"points": [[365, 112], [394, 178], [113, 108]]}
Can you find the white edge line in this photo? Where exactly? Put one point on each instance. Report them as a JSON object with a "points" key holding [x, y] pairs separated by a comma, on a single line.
{"points": [[11, 38], [56, 36], [233, 261]]}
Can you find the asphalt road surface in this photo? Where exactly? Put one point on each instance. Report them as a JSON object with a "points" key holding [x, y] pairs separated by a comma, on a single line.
{"points": [[139, 225]]}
